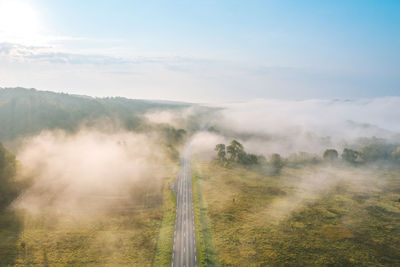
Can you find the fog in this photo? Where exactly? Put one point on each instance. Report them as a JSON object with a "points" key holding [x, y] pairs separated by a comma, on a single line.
{"points": [[312, 184], [91, 170], [267, 126], [95, 169]]}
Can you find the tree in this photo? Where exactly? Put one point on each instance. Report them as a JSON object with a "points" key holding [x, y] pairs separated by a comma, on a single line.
{"points": [[9, 188], [234, 149], [247, 159], [276, 163], [330, 154], [221, 152], [236, 154], [376, 151], [396, 154], [350, 155]]}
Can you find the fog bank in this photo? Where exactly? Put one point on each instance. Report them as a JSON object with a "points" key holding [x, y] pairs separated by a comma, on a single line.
{"points": [[90, 170]]}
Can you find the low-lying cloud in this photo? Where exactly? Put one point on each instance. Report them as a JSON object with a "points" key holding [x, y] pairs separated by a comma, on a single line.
{"points": [[266, 126], [91, 171]]}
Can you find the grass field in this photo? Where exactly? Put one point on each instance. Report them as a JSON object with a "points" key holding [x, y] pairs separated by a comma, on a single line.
{"points": [[315, 215], [119, 237]]}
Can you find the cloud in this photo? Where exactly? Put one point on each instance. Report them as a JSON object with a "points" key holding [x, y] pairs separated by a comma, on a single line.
{"points": [[48, 54]]}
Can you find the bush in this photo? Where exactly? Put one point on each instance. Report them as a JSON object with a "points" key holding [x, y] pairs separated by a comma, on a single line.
{"points": [[330, 154], [350, 155]]}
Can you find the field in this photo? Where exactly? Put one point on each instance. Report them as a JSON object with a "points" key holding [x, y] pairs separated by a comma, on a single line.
{"points": [[119, 237], [312, 215]]}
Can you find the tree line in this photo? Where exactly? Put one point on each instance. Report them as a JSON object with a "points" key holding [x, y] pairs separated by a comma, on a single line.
{"points": [[9, 187], [234, 153]]}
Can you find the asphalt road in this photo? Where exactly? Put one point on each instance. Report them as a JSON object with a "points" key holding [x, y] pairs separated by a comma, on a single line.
{"points": [[184, 249]]}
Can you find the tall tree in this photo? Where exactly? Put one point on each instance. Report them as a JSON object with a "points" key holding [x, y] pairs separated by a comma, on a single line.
{"points": [[234, 149], [221, 152]]}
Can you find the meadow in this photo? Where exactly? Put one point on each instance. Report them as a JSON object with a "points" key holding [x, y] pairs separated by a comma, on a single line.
{"points": [[129, 235], [306, 216]]}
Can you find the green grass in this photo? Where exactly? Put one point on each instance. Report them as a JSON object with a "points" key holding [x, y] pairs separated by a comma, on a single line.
{"points": [[206, 253], [309, 216], [123, 237], [166, 234], [103, 239]]}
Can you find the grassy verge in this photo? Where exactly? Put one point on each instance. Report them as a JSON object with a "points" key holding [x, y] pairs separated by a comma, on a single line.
{"points": [[166, 235], [206, 253]]}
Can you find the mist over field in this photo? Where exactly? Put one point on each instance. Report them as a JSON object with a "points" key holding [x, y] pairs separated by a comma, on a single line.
{"points": [[90, 170], [74, 176], [281, 126]]}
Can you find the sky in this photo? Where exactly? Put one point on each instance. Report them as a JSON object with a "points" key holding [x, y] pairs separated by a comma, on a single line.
{"points": [[202, 51]]}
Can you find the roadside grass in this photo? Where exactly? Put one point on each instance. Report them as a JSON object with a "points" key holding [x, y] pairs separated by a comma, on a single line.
{"points": [[165, 241], [308, 216], [117, 237], [103, 239], [206, 253]]}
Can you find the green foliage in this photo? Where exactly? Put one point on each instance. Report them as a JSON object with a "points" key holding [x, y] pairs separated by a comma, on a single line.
{"points": [[376, 151], [351, 156], [25, 112], [234, 149], [276, 163], [302, 158], [236, 154], [330, 155], [9, 188], [221, 152], [396, 154], [174, 136]]}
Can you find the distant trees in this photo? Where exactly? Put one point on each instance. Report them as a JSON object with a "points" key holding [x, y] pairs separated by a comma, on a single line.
{"points": [[9, 188], [330, 155], [234, 153], [276, 163], [376, 151], [350, 155], [396, 154], [302, 158]]}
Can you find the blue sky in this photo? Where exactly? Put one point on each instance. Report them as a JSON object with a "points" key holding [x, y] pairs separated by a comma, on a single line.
{"points": [[203, 51]]}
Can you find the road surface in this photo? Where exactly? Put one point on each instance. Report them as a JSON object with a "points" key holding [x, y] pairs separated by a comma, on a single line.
{"points": [[184, 249]]}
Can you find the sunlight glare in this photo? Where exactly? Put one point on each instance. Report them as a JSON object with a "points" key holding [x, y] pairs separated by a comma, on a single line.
{"points": [[18, 20]]}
